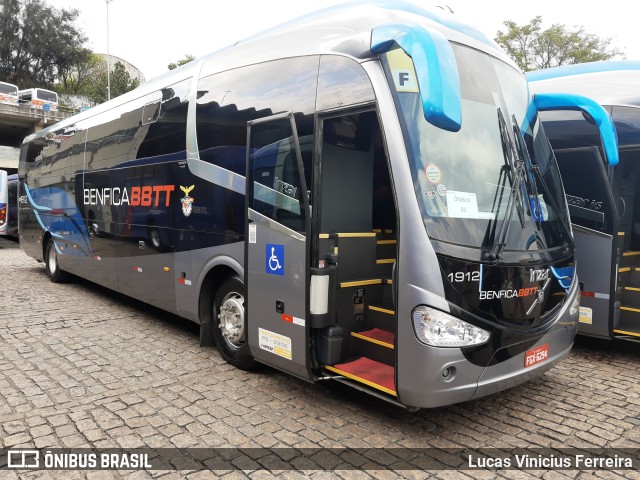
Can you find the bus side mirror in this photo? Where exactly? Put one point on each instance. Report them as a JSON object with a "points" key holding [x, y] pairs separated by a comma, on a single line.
{"points": [[436, 69], [566, 101]]}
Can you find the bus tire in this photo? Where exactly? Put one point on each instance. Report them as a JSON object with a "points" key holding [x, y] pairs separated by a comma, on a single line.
{"points": [[55, 274], [230, 324]]}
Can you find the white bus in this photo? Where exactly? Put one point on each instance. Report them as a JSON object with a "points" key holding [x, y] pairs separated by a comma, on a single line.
{"points": [[38, 98], [8, 93], [364, 195]]}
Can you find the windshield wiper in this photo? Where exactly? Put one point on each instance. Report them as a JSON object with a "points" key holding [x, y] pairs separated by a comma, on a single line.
{"points": [[536, 170], [514, 168]]}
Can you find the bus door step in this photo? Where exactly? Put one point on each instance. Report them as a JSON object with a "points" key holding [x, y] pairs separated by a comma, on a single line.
{"points": [[377, 336], [369, 372]]}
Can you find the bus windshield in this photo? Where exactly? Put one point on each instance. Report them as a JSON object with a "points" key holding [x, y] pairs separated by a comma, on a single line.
{"points": [[8, 93], [46, 95], [478, 187]]}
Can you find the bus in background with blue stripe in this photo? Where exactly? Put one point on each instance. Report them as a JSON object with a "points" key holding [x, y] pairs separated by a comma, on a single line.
{"points": [[364, 195], [603, 193]]}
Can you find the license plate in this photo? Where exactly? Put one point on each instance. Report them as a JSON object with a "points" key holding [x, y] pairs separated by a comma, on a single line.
{"points": [[536, 355]]}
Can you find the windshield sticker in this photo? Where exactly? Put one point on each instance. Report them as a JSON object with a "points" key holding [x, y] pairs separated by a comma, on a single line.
{"points": [[402, 71], [433, 173], [442, 190], [539, 208], [431, 192], [462, 204]]}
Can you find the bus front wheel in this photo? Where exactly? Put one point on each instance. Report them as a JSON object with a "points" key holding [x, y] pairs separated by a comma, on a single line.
{"points": [[230, 324], [54, 272]]}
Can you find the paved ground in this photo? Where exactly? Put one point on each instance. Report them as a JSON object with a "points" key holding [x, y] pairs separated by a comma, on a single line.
{"points": [[81, 366]]}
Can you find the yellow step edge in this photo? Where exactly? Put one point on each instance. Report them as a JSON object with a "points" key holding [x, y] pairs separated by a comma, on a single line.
{"points": [[385, 261], [624, 269], [387, 242], [621, 234], [630, 309], [361, 380], [624, 332], [382, 310], [372, 340], [388, 281], [630, 254], [355, 234], [361, 283], [633, 289]]}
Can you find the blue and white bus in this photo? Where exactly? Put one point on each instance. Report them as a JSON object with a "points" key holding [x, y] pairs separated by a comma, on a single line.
{"points": [[365, 195], [602, 191]]}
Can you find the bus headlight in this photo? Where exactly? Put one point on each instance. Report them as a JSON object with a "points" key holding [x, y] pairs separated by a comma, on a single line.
{"points": [[440, 329], [574, 309]]}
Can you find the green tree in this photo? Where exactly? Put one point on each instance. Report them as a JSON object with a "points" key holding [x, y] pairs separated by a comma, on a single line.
{"points": [[121, 82], [37, 42], [533, 48], [186, 59]]}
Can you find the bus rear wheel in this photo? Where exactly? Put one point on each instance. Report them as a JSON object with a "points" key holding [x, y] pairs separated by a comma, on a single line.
{"points": [[55, 274], [230, 330]]}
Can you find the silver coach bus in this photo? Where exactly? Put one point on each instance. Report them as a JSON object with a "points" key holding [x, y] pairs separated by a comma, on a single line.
{"points": [[364, 194], [601, 191]]}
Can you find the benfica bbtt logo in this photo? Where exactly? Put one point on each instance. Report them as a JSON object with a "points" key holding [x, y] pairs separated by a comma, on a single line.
{"points": [[187, 201]]}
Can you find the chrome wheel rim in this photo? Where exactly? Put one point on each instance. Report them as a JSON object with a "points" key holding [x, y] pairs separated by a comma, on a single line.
{"points": [[231, 320], [52, 260]]}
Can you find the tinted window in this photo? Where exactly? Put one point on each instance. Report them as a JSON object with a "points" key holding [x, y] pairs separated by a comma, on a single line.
{"points": [[587, 188], [276, 189], [228, 100], [342, 82], [627, 121], [47, 96], [168, 134]]}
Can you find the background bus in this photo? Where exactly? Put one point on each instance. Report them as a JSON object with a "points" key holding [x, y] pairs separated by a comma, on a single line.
{"points": [[322, 208], [8, 93], [8, 204], [38, 98], [602, 193]]}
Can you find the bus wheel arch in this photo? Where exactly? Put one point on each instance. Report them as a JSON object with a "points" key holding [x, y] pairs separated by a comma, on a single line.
{"points": [[222, 316], [51, 265]]}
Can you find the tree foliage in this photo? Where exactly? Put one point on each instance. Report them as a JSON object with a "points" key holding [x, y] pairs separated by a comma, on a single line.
{"points": [[121, 82], [533, 48], [38, 43], [186, 59]]}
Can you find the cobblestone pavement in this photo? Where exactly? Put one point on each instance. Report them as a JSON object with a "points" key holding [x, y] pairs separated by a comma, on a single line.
{"points": [[81, 366]]}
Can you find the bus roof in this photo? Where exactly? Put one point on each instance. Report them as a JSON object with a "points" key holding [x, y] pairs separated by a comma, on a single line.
{"points": [[343, 30], [609, 83]]}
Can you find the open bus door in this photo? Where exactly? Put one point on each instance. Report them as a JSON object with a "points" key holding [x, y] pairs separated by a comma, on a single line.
{"points": [[594, 220], [277, 250]]}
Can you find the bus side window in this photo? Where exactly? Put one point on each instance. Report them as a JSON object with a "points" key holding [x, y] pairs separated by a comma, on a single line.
{"points": [[168, 133], [228, 100], [277, 187], [587, 188], [342, 82]]}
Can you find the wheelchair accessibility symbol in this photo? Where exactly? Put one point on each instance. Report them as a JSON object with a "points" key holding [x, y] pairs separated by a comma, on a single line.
{"points": [[274, 259]]}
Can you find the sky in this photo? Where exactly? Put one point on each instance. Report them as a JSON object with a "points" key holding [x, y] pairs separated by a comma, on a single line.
{"points": [[150, 34]]}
